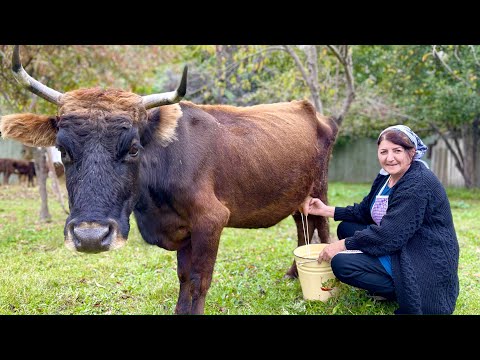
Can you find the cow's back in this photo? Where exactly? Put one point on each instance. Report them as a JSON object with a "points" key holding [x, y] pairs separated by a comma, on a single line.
{"points": [[261, 161]]}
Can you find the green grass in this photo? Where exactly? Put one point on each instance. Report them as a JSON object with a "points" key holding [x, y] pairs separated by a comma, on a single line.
{"points": [[40, 276]]}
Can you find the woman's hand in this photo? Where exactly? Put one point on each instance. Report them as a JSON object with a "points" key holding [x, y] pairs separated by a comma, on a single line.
{"points": [[316, 206], [331, 250]]}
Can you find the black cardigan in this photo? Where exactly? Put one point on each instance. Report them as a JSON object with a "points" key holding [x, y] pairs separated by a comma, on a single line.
{"points": [[418, 232]]}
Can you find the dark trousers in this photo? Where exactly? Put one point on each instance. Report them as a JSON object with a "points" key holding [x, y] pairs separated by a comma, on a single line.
{"points": [[361, 270]]}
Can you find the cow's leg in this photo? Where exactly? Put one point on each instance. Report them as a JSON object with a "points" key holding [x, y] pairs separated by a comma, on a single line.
{"points": [[320, 222], [6, 176], [205, 247], [205, 238], [184, 265], [310, 223], [322, 226]]}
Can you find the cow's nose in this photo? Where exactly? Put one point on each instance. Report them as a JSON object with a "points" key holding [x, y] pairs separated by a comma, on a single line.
{"points": [[92, 237], [88, 234]]}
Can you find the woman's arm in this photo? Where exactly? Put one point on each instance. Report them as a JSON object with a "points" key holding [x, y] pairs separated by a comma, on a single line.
{"points": [[316, 206], [360, 212], [405, 214]]}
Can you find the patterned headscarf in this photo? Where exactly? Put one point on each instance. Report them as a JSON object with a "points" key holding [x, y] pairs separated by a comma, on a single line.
{"points": [[420, 147]]}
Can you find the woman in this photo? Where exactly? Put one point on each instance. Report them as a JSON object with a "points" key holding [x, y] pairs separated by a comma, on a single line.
{"points": [[402, 233]]}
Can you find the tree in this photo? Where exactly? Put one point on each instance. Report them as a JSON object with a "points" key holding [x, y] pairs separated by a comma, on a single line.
{"points": [[433, 89], [457, 78], [342, 79]]}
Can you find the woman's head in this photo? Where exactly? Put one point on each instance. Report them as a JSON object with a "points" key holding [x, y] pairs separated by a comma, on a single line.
{"points": [[395, 153], [398, 146], [397, 137]]}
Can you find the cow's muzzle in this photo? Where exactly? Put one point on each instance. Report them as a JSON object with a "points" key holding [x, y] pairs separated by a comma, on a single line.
{"points": [[93, 237]]}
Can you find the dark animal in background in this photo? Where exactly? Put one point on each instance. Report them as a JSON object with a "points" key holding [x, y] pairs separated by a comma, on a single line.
{"points": [[22, 168], [25, 169], [7, 169], [185, 170]]}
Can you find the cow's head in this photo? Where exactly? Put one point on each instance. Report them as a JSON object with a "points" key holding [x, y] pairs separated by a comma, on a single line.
{"points": [[99, 134]]}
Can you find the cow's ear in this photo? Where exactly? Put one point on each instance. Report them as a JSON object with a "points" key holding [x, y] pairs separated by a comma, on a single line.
{"points": [[162, 124], [30, 129]]}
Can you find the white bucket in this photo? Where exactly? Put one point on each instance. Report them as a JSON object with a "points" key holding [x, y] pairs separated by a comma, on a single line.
{"points": [[313, 275]]}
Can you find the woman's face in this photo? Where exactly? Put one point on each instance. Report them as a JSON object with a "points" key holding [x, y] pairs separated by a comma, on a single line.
{"points": [[393, 158]]}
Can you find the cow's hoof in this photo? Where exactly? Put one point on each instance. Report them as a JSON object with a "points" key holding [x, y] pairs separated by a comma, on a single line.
{"points": [[290, 276]]}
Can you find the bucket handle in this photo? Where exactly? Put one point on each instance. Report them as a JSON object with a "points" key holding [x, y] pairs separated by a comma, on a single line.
{"points": [[306, 262]]}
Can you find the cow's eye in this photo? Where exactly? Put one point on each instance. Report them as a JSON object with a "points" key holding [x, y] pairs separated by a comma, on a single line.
{"points": [[133, 151]]}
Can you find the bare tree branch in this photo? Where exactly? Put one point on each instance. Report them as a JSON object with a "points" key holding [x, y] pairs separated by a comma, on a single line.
{"points": [[458, 163], [345, 57], [230, 68], [455, 52], [299, 64], [449, 70], [459, 149], [474, 55], [306, 77], [337, 54]]}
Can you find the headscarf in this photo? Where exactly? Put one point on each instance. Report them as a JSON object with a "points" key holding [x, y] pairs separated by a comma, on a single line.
{"points": [[420, 147]]}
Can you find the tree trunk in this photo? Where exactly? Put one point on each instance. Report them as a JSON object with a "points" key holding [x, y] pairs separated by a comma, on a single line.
{"points": [[53, 176], [41, 170], [470, 139], [476, 138], [312, 66], [311, 79], [220, 80]]}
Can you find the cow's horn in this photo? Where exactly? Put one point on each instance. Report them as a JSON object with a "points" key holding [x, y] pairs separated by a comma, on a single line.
{"points": [[172, 97], [30, 83]]}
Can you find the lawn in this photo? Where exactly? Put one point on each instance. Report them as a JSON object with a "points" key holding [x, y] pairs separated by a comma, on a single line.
{"points": [[40, 276]]}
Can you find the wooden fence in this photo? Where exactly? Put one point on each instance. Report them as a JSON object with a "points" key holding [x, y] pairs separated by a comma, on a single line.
{"points": [[443, 165], [10, 149], [357, 162]]}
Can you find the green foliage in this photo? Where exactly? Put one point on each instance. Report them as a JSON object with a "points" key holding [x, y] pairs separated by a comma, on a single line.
{"points": [[394, 83], [239, 74], [420, 86], [40, 276], [65, 68]]}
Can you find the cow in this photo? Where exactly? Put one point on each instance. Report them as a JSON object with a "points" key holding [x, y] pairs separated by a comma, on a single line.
{"points": [[186, 171], [7, 167], [26, 169]]}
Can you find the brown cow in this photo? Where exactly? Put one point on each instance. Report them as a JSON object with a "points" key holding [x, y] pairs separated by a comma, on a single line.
{"points": [[185, 170], [7, 168], [25, 169]]}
